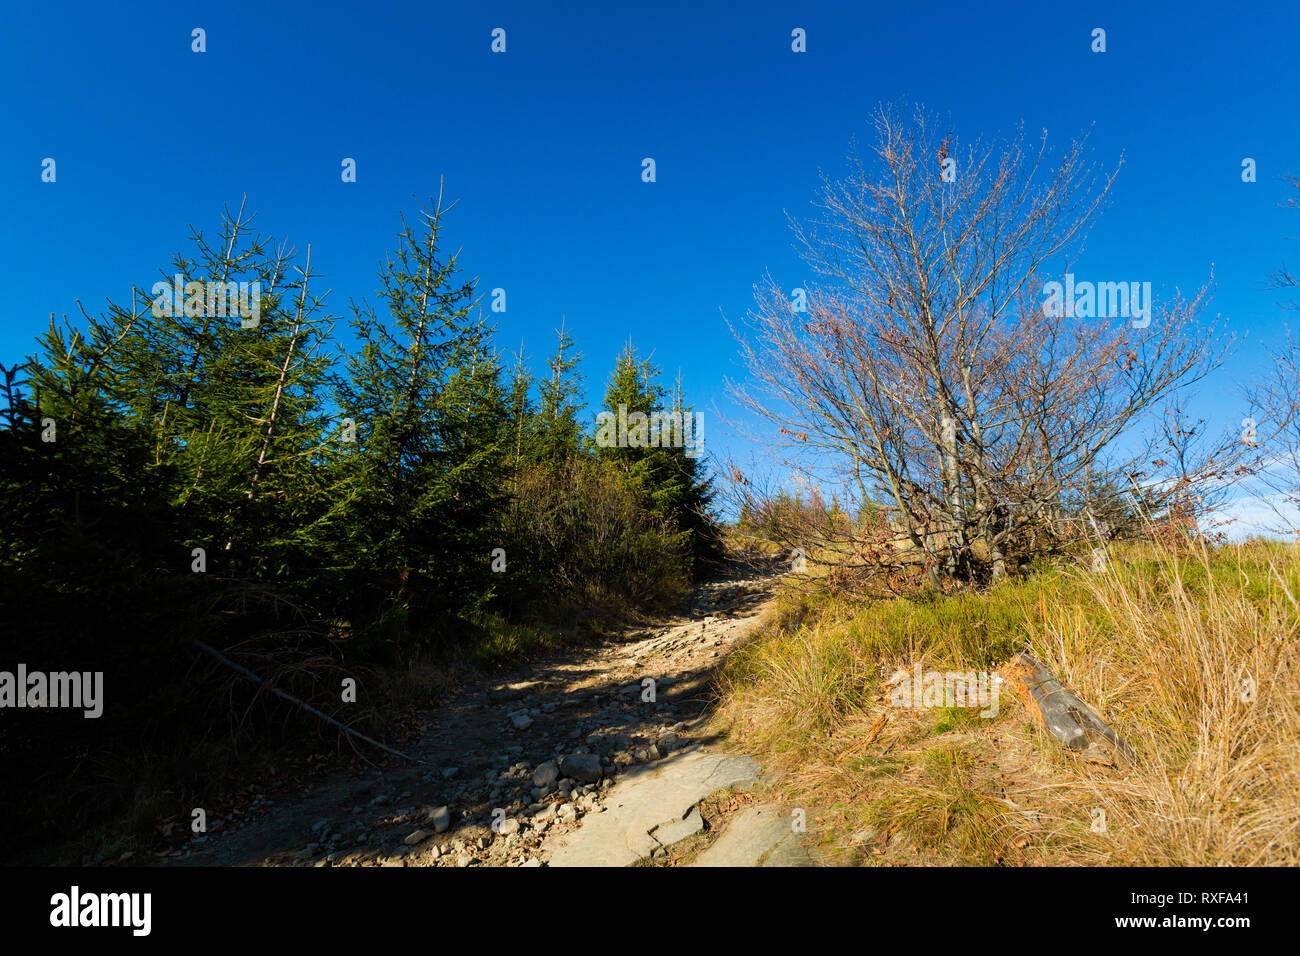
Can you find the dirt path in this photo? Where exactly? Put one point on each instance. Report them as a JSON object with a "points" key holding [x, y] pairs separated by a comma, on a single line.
{"points": [[572, 757]]}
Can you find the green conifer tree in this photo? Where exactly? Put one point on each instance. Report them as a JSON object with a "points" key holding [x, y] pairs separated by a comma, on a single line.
{"points": [[426, 473]]}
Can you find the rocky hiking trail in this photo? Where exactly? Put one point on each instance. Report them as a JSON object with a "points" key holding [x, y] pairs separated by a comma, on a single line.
{"points": [[577, 761]]}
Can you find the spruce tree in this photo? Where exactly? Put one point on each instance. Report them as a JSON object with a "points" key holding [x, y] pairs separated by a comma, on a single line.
{"points": [[669, 474], [559, 432], [420, 482], [231, 376], [521, 441]]}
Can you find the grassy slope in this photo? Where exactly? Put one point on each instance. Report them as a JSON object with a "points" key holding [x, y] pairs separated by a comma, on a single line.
{"points": [[1160, 646]]}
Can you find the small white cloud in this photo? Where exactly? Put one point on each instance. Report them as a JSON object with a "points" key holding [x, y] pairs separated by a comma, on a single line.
{"points": [[1261, 515]]}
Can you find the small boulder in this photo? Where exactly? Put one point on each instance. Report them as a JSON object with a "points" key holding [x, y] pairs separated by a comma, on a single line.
{"points": [[583, 767], [439, 818], [546, 775]]}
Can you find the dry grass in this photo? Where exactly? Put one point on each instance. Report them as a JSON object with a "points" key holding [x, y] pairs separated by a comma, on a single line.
{"points": [[1161, 646], [1171, 649]]}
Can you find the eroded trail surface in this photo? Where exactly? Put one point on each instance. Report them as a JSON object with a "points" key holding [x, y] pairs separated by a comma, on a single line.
{"points": [[593, 756]]}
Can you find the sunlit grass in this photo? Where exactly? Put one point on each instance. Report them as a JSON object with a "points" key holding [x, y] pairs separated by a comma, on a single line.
{"points": [[1168, 646]]}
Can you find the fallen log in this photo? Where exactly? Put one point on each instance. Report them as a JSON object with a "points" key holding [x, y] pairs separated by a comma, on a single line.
{"points": [[1061, 713], [266, 685]]}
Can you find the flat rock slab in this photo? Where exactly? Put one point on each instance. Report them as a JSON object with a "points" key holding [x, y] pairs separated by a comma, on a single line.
{"points": [[649, 796], [757, 836], [676, 832]]}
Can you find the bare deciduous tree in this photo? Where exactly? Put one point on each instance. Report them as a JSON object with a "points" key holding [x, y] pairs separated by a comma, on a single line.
{"points": [[1277, 402], [925, 363], [1282, 277]]}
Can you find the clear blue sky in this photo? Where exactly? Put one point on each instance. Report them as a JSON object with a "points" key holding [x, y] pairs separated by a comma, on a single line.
{"points": [[543, 146]]}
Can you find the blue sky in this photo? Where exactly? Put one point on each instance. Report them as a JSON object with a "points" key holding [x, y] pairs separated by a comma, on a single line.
{"points": [[542, 146]]}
